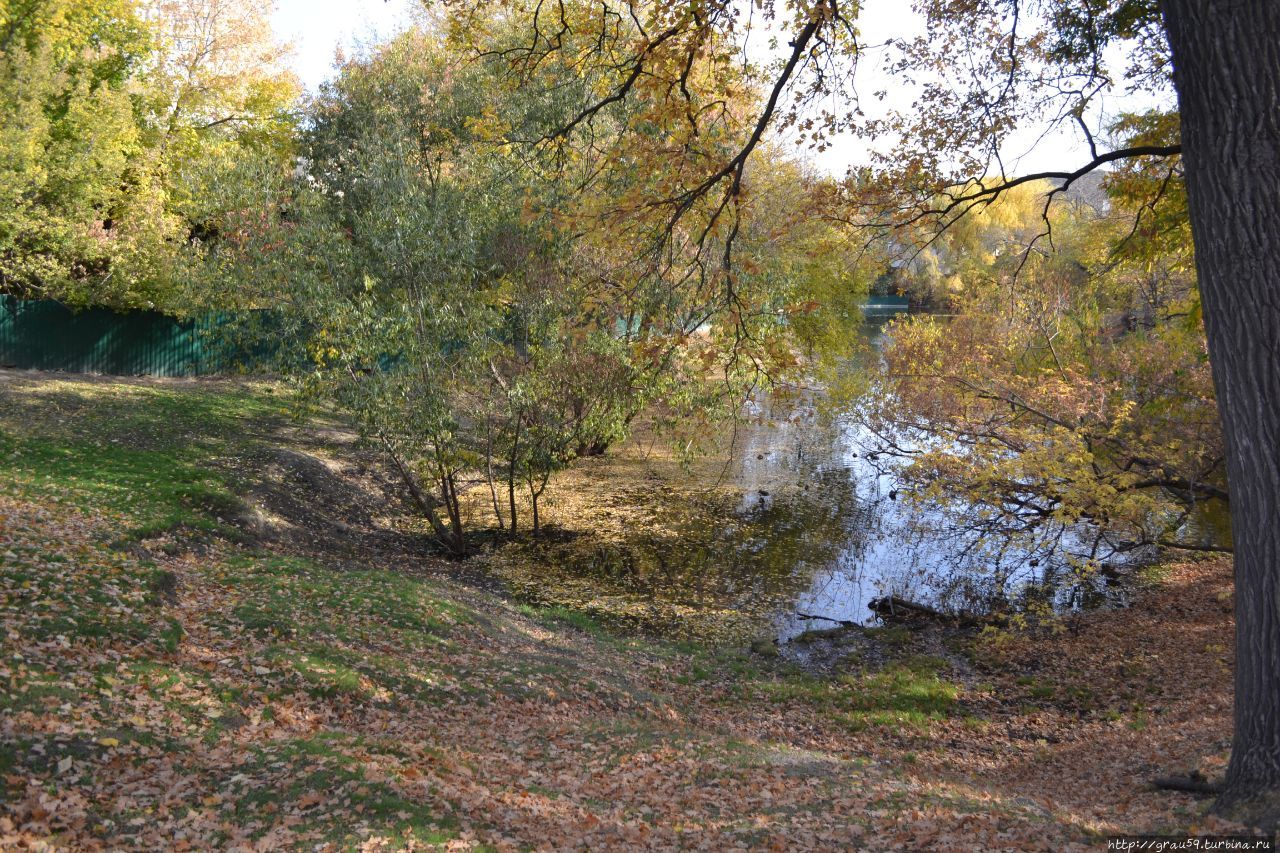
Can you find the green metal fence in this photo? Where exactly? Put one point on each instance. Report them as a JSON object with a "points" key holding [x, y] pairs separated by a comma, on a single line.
{"points": [[45, 335]]}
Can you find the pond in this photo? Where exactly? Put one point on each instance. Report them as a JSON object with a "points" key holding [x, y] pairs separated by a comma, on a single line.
{"points": [[802, 526], [864, 540]]}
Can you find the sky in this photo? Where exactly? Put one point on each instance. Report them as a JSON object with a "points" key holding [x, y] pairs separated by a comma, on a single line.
{"points": [[316, 28]]}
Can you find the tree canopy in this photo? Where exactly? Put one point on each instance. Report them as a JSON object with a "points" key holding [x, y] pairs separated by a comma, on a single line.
{"points": [[121, 118]]}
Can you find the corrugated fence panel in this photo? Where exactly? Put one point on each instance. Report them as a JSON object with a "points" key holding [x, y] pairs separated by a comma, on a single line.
{"points": [[47, 335]]}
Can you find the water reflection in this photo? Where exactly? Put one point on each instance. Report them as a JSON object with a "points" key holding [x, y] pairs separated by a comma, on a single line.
{"points": [[820, 529], [863, 540], [878, 543]]}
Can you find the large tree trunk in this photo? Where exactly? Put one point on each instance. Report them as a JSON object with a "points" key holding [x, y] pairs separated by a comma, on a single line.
{"points": [[1226, 57]]}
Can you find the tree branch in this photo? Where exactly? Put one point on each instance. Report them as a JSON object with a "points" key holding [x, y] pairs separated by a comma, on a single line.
{"points": [[985, 195]]}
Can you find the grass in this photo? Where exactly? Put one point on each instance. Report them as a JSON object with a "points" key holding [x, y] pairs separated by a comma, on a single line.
{"points": [[320, 778], [157, 489], [905, 696], [143, 454], [350, 702], [908, 696], [559, 615], [152, 461]]}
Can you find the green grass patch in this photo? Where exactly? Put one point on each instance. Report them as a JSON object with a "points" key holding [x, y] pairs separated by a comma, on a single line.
{"points": [[156, 491], [906, 695], [325, 675], [322, 778], [37, 692], [137, 452], [293, 597], [1152, 575], [188, 419], [556, 615], [892, 636], [171, 636]]}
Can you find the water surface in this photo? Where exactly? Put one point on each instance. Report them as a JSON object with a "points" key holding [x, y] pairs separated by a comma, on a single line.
{"points": [[820, 527]]}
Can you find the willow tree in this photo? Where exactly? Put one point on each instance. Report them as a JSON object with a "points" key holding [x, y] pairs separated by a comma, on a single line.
{"points": [[441, 286], [979, 72]]}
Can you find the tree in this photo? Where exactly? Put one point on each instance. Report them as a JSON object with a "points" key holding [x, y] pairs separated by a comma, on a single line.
{"points": [[72, 195], [979, 71], [219, 97], [122, 118], [379, 253], [1228, 81], [434, 294], [449, 288], [1067, 387]]}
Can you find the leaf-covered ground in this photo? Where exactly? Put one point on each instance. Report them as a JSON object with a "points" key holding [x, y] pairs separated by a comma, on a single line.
{"points": [[174, 677]]}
